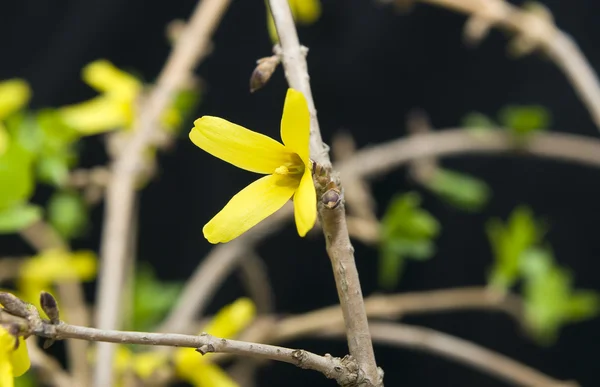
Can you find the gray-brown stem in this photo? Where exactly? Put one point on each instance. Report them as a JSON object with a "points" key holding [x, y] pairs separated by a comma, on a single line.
{"points": [[333, 219]]}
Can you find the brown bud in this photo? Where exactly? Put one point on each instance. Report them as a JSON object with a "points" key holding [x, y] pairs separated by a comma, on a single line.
{"points": [[263, 71], [13, 305], [332, 198], [50, 307]]}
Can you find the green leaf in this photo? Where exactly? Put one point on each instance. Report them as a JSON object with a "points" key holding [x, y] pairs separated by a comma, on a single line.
{"points": [[68, 214], [459, 189], [509, 241], [18, 217], [583, 305], [26, 380], [523, 120], [407, 233], [550, 301], [16, 175], [152, 298], [476, 120]]}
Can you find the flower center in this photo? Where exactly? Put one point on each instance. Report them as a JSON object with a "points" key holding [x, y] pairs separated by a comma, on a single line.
{"points": [[289, 169]]}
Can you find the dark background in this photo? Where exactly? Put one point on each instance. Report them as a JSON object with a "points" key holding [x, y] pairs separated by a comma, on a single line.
{"points": [[369, 67]]}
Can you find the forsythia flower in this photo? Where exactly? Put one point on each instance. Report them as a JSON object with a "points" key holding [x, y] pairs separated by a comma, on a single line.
{"points": [[197, 369], [145, 365], [50, 266], [304, 12], [14, 94], [115, 107], [286, 165], [13, 362]]}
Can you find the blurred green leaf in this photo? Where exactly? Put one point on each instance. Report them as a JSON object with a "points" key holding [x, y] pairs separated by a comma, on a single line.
{"points": [[406, 233], [478, 122], [509, 241], [459, 189], [18, 217], [523, 120], [26, 380], [68, 214], [550, 301], [181, 109], [152, 298], [16, 175]]}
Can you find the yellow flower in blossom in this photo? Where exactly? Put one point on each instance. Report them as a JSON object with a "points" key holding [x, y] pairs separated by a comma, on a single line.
{"points": [[51, 266], [228, 322], [13, 362], [287, 168], [116, 105], [14, 94], [304, 11]]}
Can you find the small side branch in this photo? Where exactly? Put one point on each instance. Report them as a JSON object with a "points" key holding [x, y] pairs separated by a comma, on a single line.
{"points": [[331, 207]]}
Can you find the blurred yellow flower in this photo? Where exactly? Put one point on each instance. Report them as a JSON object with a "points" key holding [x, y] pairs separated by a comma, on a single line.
{"points": [[50, 266], [287, 166], [228, 322], [116, 105], [14, 94], [305, 12], [145, 365], [13, 362]]}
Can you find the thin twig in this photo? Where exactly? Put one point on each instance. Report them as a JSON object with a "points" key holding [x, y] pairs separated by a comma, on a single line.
{"points": [[215, 267], [49, 368], [333, 220], [42, 236], [465, 352], [538, 31], [332, 367], [189, 48], [254, 277]]}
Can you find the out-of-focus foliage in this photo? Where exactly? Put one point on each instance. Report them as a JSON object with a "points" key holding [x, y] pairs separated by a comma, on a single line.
{"points": [[26, 380], [14, 94], [459, 189], [407, 232], [305, 12], [509, 241], [550, 300], [227, 323], [152, 298], [68, 214], [524, 120], [520, 120]]}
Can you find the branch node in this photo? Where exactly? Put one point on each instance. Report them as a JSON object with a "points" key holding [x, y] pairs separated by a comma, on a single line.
{"points": [[206, 348]]}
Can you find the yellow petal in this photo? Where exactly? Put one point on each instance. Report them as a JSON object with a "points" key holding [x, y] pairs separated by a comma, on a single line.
{"points": [[14, 94], [20, 359], [105, 77], [249, 206], [295, 124], [239, 146], [6, 371], [211, 375], [305, 204], [146, 364], [98, 115], [271, 28], [231, 319], [306, 11]]}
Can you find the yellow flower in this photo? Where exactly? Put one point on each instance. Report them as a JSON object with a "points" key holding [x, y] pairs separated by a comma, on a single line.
{"points": [[115, 107], [13, 362], [50, 266], [304, 11], [197, 369], [14, 94], [287, 166], [144, 364]]}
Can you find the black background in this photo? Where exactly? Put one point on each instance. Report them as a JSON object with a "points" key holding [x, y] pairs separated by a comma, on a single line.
{"points": [[369, 67]]}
